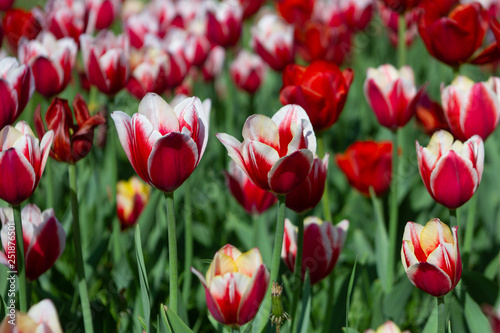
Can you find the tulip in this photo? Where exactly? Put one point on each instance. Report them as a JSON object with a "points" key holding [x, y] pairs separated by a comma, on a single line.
{"points": [[44, 238], [197, 48], [51, 61], [493, 316], [390, 19], [42, 317], [355, 14], [212, 67], [252, 198], [401, 6], [164, 145], [430, 115], [131, 198], [178, 66], [309, 193], [320, 88], [235, 285], [272, 39], [19, 23], [16, 88], [6, 4], [454, 38], [321, 248], [247, 71], [451, 171], [224, 23], [100, 14], [72, 142], [150, 74], [138, 26], [472, 108], [277, 153], [250, 7], [22, 161], [66, 18], [387, 327], [296, 12], [392, 94], [105, 59], [431, 257], [367, 164]]}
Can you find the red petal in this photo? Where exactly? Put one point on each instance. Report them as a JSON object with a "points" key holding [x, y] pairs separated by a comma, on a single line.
{"points": [[18, 177], [429, 278], [48, 80], [251, 300], [379, 104], [289, 171]]}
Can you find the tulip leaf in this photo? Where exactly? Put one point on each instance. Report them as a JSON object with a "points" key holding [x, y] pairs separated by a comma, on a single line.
{"points": [[305, 314], [381, 241], [432, 323], [480, 288], [143, 323], [349, 330], [172, 322], [395, 302], [476, 320], [143, 279], [349, 293]]}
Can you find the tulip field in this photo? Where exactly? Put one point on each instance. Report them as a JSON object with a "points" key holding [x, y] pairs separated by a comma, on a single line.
{"points": [[252, 166]]}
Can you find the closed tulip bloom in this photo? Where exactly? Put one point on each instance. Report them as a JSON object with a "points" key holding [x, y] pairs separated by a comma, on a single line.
{"points": [[224, 23], [22, 161], [296, 12], [252, 198], [454, 38], [16, 88], [392, 94], [164, 145], [41, 317], [19, 23], [44, 238], [401, 6], [451, 171], [272, 40], [214, 63], [138, 26], [472, 108], [66, 18], [72, 142], [367, 164], [355, 14], [235, 285], [51, 60], [100, 14], [105, 58], [309, 193], [131, 198], [320, 88], [250, 7], [431, 257], [276, 153], [247, 71], [322, 245], [390, 19], [387, 327], [150, 72]]}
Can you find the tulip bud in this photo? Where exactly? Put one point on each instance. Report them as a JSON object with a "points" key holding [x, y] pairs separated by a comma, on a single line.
{"points": [[431, 257], [224, 23], [66, 18], [18, 23], [247, 71], [131, 198]]}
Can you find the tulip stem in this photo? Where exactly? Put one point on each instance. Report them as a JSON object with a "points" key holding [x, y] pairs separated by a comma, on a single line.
{"points": [[172, 250], [401, 40], [49, 184], [453, 218], [327, 318], [441, 315], [21, 271], [188, 246], [326, 197], [469, 231], [80, 266], [235, 329], [393, 217], [297, 271]]}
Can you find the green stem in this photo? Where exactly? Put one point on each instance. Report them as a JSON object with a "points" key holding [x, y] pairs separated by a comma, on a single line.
{"points": [[469, 230], [230, 109], [393, 213], [172, 250], [49, 184], [188, 246], [235, 329], [80, 266], [401, 40], [441, 315], [297, 282], [21, 271], [453, 218], [456, 71], [327, 317], [326, 196], [381, 249]]}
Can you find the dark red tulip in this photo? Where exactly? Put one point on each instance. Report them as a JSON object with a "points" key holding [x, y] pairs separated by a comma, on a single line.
{"points": [[250, 7], [6, 4], [367, 164], [430, 115], [72, 142], [401, 6], [320, 88], [19, 23], [296, 12]]}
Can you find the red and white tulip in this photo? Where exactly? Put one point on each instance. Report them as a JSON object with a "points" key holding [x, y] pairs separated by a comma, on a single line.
{"points": [[248, 71], [214, 63], [66, 18], [100, 14], [224, 22], [41, 317]]}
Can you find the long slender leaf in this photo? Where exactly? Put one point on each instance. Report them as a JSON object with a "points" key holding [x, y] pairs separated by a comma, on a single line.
{"points": [[305, 314], [349, 292], [143, 279], [476, 320]]}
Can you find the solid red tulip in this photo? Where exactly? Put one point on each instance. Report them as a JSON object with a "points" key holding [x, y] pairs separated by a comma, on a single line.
{"points": [[224, 23], [472, 108], [131, 198], [320, 88], [367, 164], [401, 6], [72, 142], [235, 285], [451, 170], [277, 153], [252, 198], [296, 12], [430, 115], [431, 257], [322, 245], [6, 4], [247, 71], [309, 193], [164, 145], [44, 238], [19, 23], [51, 61]]}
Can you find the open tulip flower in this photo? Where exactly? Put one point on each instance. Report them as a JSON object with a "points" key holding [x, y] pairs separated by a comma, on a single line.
{"points": [[276, 153], [16, 88], [131, 198], [392, 94], [42, 317], [451, 171], [51, 60], [320, 88], [235, 285], [367, 164], [44, 238], [472, 108], [248, 71], [164, 145], [431, 257], [252, 198], [22, 161], [72, 142], [322, 245], [105, 58]]}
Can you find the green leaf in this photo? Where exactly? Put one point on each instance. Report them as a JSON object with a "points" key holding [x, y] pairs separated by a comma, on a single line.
{"points": [[381, 241], [349, 292], [305, 314], [481, 289], [349, 330], [432, 323], [173, 322], [476, 320], [143, 279], [143, 323], [395, 302]]}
